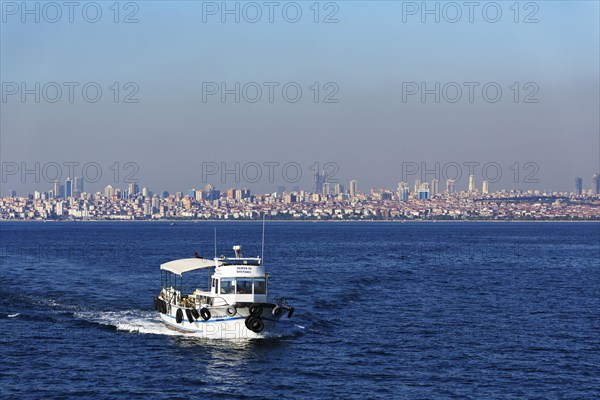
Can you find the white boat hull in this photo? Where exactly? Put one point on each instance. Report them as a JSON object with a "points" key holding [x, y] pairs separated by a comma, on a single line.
{"points": [[222, 326]]}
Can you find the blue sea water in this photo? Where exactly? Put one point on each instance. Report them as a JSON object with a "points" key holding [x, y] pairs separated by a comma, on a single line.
{"points": [[383, 310]]}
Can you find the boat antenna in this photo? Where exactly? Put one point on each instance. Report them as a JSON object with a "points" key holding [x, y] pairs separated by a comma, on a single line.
{"points": [[262, 249], [215, 242]]}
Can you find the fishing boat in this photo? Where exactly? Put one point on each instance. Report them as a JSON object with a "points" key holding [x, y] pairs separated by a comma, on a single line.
{"points": [[234, 306]]}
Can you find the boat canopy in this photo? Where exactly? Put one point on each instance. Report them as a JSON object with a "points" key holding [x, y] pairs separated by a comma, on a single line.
{"points": [[188, 264]]}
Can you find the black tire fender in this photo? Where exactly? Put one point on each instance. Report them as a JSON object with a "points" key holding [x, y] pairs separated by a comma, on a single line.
{"points": [[188, 313], [179, 316], [231, 311], [249, 318], [277, 310], [257, 325], [205, 314], [195, 313], [255, 309]]}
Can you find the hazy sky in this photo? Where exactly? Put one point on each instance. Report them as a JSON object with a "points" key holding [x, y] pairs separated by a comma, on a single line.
{"points": [[375, 61]]}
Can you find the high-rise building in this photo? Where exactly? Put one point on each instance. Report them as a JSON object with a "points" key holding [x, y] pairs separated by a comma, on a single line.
{"points": [[578, 186], [68, 188], [77, 186], [12, 193], [59, 208], [192, 194], [403, 191], [485, 188], [133, 189], [109, 192], [471, 183], [424, 192], [435, 186], [596, 184], [318, 181], [417, 185], [325, 189], [353, 188], [57, 189], [335, 188], [450, 185], [145, 192]]}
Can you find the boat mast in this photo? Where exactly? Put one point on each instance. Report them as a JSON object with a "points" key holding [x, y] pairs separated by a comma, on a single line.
{"points": [[262, 249]]}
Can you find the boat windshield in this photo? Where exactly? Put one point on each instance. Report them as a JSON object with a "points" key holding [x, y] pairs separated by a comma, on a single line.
{"points": [[243, 286], [260, 286], [227, 286]]}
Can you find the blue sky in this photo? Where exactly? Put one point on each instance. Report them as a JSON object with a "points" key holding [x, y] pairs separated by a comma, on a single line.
{"points": [[369, 54]]}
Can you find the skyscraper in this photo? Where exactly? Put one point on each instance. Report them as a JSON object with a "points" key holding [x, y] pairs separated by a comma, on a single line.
{"points": [[417, 185], [68, 188], [133, 189], [57, 193], [353, 188], [450, 183], [435, 186], [335, 188], [471, 183], [318, 180], [578, 186], [424, 192], [485, 189], [109, 192], [77, 186], [403, 191], [596, 184]]}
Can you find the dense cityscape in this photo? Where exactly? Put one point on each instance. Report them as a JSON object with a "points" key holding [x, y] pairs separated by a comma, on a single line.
{"points": [[327, 201]]}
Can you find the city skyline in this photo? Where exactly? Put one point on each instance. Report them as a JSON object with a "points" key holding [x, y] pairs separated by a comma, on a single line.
{"points": [[74, 188]]}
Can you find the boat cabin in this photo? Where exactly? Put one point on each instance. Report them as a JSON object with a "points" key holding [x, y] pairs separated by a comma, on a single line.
{"points": [[234, 280]]}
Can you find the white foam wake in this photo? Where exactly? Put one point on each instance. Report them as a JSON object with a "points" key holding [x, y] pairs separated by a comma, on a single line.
{"points": [[135, 321], [149, 322]]}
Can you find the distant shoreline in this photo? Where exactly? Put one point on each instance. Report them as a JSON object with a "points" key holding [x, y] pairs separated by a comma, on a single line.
{"points": [[192, 221]]}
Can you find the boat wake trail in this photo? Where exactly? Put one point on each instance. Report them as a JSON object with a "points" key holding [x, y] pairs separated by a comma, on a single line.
{"points": [[149, 322], [134, 321]]}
